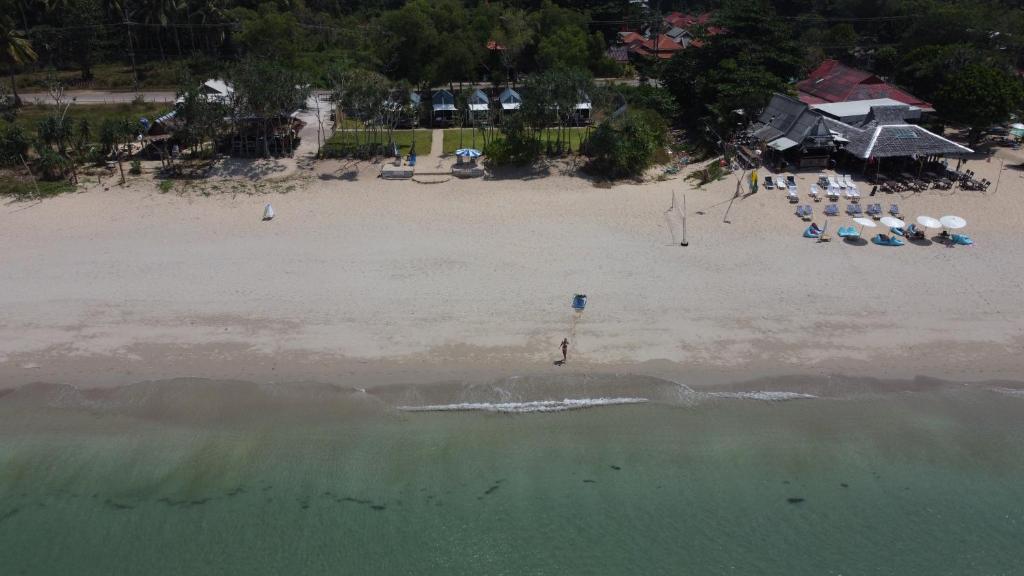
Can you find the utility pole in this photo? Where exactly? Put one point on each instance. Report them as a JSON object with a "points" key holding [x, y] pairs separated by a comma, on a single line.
{"points": [[131, 44]]}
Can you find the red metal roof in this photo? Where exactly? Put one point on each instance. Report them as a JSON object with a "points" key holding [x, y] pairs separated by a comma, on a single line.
{"points": [[662, 46], [836, 82]]}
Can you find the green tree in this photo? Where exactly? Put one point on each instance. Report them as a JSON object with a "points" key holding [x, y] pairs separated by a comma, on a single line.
{"points": [[566, 47], [738, 69], [15, 50], [980, 96]]}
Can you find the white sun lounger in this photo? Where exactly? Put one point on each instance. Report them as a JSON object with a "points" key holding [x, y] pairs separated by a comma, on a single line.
{"points": [[836, 183], [815, 193], [848, 180], [833, 193], [792, 196], [853, 192]]}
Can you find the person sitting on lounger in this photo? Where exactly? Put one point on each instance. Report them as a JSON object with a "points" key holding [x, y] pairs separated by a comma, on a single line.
{"points": [[814, 228]]}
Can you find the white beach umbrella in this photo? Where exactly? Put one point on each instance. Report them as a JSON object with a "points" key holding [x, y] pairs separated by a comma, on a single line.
{"points": [[953, 222], [893, 222], [929, 222], [865, 222]]}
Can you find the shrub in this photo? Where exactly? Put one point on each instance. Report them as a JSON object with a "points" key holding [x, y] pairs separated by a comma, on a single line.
{"points": [[136, 168], [624, 147], [13, 146]]}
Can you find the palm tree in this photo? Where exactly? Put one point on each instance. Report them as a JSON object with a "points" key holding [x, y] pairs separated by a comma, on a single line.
{"points": [[15, 50]]}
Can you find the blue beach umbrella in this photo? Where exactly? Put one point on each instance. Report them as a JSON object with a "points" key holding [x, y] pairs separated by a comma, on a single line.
{"points": [[468, 152]]}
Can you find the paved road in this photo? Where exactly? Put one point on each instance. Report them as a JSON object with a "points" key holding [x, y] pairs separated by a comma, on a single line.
{"points": [[101, 97]]}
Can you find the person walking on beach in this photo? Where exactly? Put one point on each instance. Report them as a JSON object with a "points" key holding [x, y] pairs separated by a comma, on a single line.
{"points": [[565, 349]]}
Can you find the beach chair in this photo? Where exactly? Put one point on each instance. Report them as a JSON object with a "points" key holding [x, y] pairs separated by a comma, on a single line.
{"points": [[886, 240], [808, 212], [823, 181], [848, 180], [914, 233], [769, 183], [854, 193], [836, 183], [815, 194], [848, 232], [857, 210], [832, 210], [833, 193], [894, 209], [851, 210], [790, 180], [848, 194], [792, 196]]}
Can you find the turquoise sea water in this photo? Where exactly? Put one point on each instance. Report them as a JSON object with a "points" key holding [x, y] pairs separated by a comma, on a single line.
{"points": [[893, 484]]}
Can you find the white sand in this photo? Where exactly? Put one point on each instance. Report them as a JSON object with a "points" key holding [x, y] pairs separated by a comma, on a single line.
{"points": [[126, 284]]}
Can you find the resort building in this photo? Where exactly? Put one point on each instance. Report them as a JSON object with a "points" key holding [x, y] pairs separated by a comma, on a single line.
{"points": [[833, 81]]}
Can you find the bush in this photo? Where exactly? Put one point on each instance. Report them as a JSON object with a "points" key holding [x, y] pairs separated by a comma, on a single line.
{"points": [[624, 147], [515, 147], [136, 168], [13, 146]]}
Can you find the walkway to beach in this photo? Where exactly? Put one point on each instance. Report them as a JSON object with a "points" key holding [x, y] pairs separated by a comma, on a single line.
{"points": [[434, 162]]}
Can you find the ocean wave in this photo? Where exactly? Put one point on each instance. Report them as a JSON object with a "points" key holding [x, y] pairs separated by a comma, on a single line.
{"points": [[767, 395], [1018, 392], [526, 407]]}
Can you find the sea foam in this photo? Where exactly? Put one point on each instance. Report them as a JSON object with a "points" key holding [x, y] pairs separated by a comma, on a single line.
{"points": [[526, 407], [768, 395]]}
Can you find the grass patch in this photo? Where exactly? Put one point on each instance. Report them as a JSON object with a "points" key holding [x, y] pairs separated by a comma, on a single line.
{"points": [[452, 141], [152, 75], [403, 138], [166, 186], [575, 136], [18, 187], [29, 116]]}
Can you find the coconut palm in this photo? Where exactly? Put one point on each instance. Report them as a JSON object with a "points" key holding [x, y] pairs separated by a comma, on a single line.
{"points": [[15, 50]]}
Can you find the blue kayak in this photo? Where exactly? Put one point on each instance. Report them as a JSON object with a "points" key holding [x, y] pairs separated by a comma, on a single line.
{"points": [[579, 302]]}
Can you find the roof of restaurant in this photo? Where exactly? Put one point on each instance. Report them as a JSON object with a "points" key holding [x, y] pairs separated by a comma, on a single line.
{"points": [[833, 81]]}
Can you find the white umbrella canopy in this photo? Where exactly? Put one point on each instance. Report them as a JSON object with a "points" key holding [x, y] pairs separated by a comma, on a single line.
{"points": [[1017, 126], [893, 222], [468, 152], [866, 222], [929, 222], [953, 222]]}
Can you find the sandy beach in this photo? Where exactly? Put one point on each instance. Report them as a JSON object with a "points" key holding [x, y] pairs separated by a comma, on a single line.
{"points": [[369, 280]]}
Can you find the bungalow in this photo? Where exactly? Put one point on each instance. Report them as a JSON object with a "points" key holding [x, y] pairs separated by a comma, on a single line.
{"points": [[478, 106], [406, 113], [582, 110], [835, 82], [217, 90], [510, 100], [443, 105]]}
